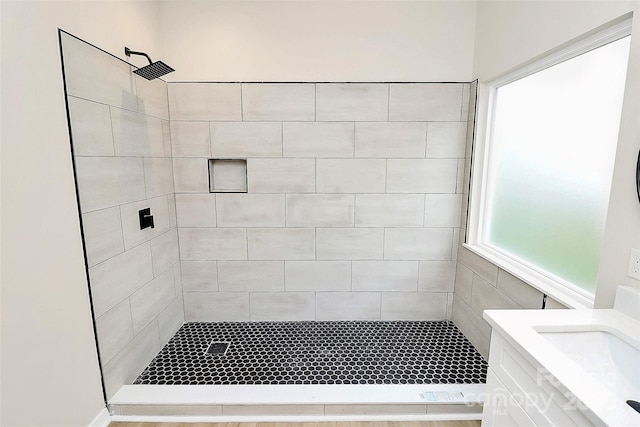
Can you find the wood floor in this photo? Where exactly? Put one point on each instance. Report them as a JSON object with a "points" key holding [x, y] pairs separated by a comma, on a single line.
{"points": [[316, 424]]}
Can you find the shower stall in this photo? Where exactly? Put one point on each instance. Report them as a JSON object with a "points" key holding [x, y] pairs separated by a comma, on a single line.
{"points": [[272, 249]]}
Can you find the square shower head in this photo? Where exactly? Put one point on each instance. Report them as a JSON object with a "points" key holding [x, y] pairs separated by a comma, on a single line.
{"points": [[154, 70]]}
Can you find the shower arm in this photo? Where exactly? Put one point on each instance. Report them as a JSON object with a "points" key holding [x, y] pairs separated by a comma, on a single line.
{"points": [[130, 52]]}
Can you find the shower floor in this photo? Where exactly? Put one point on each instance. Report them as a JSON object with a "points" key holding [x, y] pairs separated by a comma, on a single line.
{"points": [[332, 352]]}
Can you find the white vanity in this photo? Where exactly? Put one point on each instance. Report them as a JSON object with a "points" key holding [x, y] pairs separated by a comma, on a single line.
{"points": [[565, 367]]}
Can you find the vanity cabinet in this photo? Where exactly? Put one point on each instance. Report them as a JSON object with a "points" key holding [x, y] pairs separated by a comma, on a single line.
{"points": [[522, 393]]}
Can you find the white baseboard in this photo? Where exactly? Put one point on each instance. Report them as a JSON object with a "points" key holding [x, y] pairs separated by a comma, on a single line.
{"points": [[101, 420]]}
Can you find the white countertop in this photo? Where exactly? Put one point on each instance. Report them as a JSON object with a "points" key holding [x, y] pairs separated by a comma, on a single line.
{"points": [[520, 329]]}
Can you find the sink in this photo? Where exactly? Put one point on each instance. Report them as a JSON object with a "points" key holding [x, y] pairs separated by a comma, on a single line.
{"points": [[566, 367], [609, 359]]}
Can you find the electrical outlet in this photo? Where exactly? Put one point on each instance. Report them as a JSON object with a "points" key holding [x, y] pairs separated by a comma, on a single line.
{"points": [[634, 264]]}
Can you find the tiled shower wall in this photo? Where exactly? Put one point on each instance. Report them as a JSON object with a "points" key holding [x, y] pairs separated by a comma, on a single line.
{"points": [[352, 209], [122, 155], [353, 202], [479, 284]]}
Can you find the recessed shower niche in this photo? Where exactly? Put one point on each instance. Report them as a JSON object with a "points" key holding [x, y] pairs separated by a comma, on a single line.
{"points": [[227, 175]]}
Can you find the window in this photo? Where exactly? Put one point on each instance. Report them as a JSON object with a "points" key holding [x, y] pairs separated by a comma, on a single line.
{"points": [[548, 163]]}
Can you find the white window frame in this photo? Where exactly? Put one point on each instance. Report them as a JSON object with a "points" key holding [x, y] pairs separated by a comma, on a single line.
{"points": [[547, 283]]}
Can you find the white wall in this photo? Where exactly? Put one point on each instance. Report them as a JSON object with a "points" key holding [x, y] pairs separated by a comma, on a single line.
{"points": [[318, 40], [512, 32], [50, 372]]}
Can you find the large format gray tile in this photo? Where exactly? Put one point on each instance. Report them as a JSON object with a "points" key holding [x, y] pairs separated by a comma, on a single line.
{"points": [[442, 210], [389, 210], [190, 139], [418, 244], [485, 296], [317, 275], [281, 175], [281, 243], [485, 269], [102, 235], [191, 175], [170, 319], [257, 276], [468, 100], [199, 275], [95, 75], [166, 136], [216, 306], [422, 175], [414, 306], [250, 210], [115, 279], [387, 409], [349, 243], [472, 325], [352, 102], [150, 300], [164, 250], [386, 139], [437, 276], [554, 305], [318, 139], [320, 210], [350, 175], [283, 306], [347, 306], [204, 101], [177, 278], [109, 181], [455, 409], [169, 410], [278, 102], [196, 210], [246, 139], [158, 176], [153, 99], [114, 330], [267, 410], [464, 283], [171, 203], [425, 102], [90, 128], [128, 363], [446, 139], [209, 244], [522, 293], [135, 134], [385, 276]]}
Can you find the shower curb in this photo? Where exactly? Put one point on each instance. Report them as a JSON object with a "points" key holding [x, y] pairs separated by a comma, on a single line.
{"points": [[296, 403]]}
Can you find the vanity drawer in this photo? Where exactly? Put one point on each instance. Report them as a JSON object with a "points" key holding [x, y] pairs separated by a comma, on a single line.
{"points": [[534, 388], [500, 408]]}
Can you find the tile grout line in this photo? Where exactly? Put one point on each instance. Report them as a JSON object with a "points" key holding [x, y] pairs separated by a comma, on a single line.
{"points": [[426, 138], [388, 102], [241, 102]]}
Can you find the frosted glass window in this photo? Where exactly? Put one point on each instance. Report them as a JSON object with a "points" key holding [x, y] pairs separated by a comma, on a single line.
{"points": [[551, 154]]}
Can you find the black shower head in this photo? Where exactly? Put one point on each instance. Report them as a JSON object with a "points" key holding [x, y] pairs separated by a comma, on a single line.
{"points": [[151, 71]]}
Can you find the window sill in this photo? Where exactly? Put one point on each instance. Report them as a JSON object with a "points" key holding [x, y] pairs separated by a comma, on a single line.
{"points": [[542, 283]]}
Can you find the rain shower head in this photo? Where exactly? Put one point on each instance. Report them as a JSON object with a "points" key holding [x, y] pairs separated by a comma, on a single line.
{"points": [[151, 71]]}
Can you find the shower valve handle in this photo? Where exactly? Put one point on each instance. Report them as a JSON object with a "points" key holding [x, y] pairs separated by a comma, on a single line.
{"points": [[146, 219]]}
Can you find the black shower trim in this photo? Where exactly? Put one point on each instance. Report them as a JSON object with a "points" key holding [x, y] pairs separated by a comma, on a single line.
{"points": [[82, 237]]}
